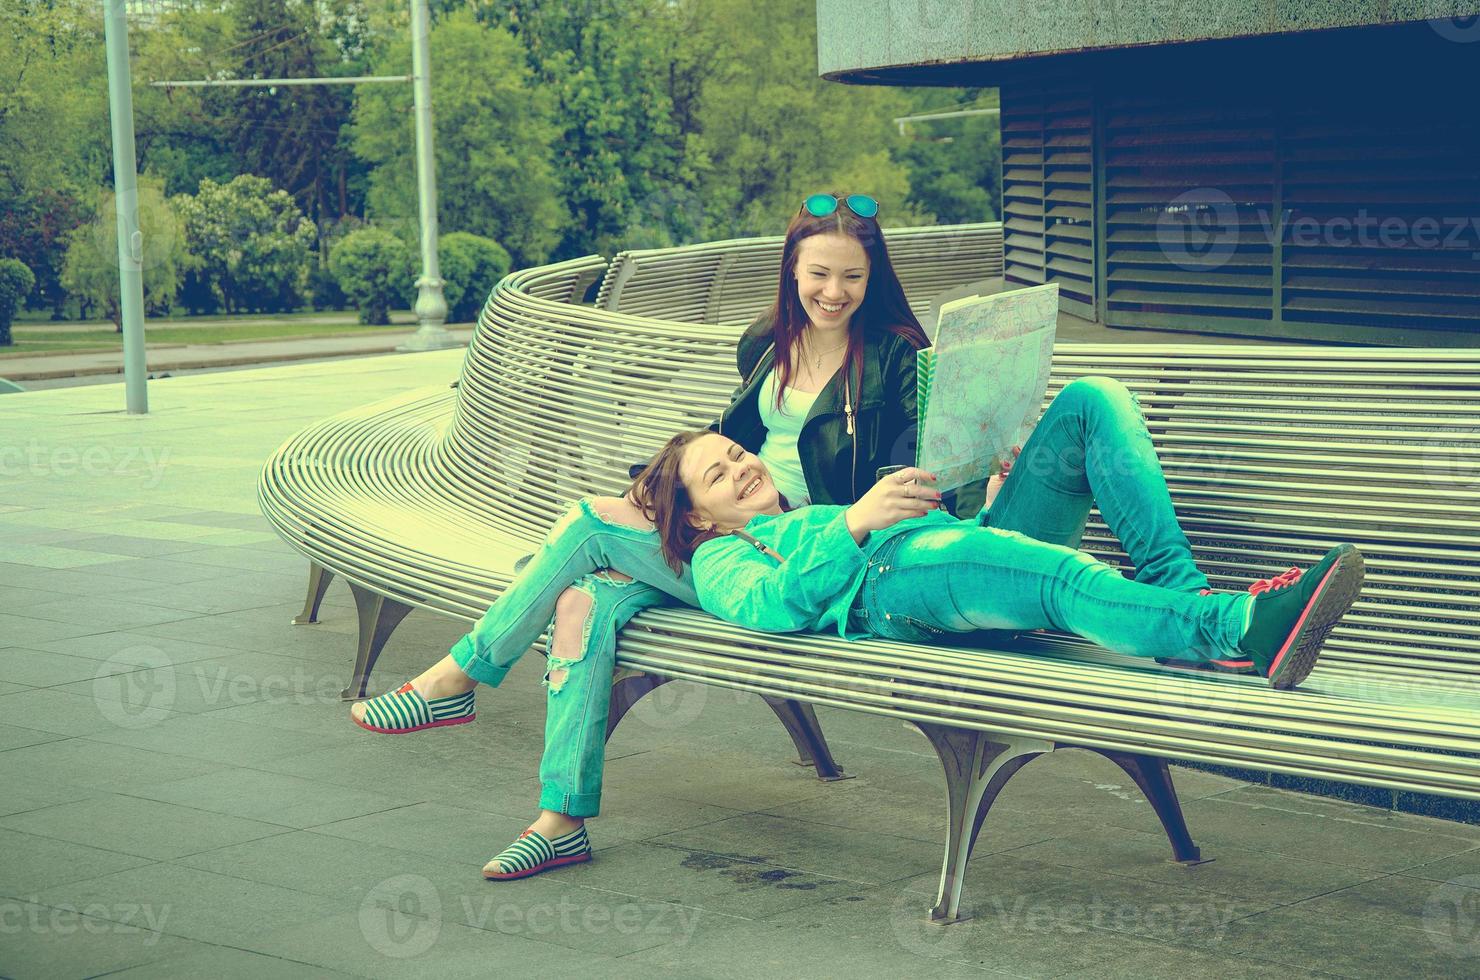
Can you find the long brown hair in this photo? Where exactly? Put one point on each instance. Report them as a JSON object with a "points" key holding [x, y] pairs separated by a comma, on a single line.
{"points": [[664, 498], [884, 307]]}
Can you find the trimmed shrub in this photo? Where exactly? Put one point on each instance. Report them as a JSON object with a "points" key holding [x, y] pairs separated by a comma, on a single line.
{"points": [[374, 270], [16, 281], [471, 266]]}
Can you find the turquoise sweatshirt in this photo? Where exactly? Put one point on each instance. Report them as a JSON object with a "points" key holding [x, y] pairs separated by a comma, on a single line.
{"points": [[812, 589]]}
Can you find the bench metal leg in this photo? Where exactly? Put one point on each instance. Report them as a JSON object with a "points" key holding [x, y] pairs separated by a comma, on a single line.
{"points": [[977, 766], [628, 687], [379, 617], [806, 734], [1155, 780], [319, 578]]}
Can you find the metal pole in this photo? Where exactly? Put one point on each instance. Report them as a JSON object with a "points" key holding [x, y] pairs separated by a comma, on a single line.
{"points": [[431, 306], [126, 198]]}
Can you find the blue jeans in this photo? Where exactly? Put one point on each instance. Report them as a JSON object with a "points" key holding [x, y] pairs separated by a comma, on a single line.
{"points": [[1016, 566], [577, 546]]}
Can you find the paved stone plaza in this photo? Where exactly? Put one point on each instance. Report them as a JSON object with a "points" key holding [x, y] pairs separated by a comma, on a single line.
{"points": [[184, 795]]}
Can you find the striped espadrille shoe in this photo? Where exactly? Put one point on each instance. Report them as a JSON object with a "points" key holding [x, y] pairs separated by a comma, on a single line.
{"points": [[533, 853], [403, 711]]}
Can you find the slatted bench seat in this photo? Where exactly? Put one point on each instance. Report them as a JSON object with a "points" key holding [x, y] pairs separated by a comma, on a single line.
{"points": [[1272, 454]]}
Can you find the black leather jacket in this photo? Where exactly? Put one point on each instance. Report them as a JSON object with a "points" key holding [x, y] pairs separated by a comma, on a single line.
{"points": [[852, 429]]}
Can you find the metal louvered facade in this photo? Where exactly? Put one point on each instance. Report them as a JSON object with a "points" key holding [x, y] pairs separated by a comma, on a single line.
{"points": [[1194, 190]]}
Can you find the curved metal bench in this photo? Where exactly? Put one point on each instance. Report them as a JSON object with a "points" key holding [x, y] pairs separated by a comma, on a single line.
{"points": [[425, 501]]}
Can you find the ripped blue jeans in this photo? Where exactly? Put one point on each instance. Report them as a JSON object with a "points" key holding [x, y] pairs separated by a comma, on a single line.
{"points": [[577, 546], [1091, 447]]}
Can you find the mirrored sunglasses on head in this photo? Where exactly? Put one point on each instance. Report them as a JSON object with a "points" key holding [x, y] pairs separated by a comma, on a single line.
{"points": [[822, 205]]}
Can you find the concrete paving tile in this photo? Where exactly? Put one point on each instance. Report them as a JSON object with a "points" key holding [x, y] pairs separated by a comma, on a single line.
{"points": [[31, 631], [336, 867], [802, 846], [47, 668], [52, 556], [1393, 927], [1328, 831], [478, 785], [735, 780], [208, 738], [8, 687], [119, 613], [1242, 872], [151, 573], [847, 935], [747, 886], [63, 713], [393, 944], [273, 797], [269, 629], [29, 864], [138, 649], [216, 595], [252, 559], [920, 814], [20, 798], [86, 767], [628, 814], [104, 579], [1447, 868], [224, 961], [13, 737], [128, 545], [237, 680], [251, 520], [140, 827], [41, 941], [194, 904], [447, 832]]}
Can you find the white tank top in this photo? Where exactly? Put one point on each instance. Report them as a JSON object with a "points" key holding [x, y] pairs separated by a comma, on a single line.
{"points": [[779, 451]]}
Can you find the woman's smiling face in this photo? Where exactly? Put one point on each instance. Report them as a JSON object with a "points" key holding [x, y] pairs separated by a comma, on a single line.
{"points": [[832, 278], [728, 486]]}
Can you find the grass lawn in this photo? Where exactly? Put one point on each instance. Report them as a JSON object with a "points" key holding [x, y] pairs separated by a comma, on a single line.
{"points": [[37, 336]]}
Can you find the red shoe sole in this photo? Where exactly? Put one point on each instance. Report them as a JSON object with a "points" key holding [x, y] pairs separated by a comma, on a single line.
{"points": [[419, 728], [542, 866], [1328, 603]]}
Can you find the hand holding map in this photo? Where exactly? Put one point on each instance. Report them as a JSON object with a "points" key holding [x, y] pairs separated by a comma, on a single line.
{"points": [[981, 387]]}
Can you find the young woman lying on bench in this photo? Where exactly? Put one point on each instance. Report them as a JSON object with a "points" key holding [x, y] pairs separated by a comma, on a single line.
{"points": [[895, 566]]}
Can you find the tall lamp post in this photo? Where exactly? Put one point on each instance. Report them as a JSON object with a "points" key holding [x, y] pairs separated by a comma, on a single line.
{"points": [[431, 305], [126, 200]]}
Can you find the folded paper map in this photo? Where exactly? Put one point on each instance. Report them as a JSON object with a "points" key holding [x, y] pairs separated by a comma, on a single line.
{"points": [[981, 387]]}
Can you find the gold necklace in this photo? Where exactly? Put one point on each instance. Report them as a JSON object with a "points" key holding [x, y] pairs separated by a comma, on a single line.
{"points": [[817, 366]]}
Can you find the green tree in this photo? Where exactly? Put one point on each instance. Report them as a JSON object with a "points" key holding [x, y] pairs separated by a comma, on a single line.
{"points": [[955, 165], [249, 246], [15, 282], [291, 134], [90, 272], [375, 272], [53, 131], [471, 265], [621, 158], [494, 140], [774, 132]]}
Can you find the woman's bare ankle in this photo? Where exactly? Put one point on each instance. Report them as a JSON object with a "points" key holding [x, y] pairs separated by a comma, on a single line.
{"points": [[552, 824], [444, 679]]}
